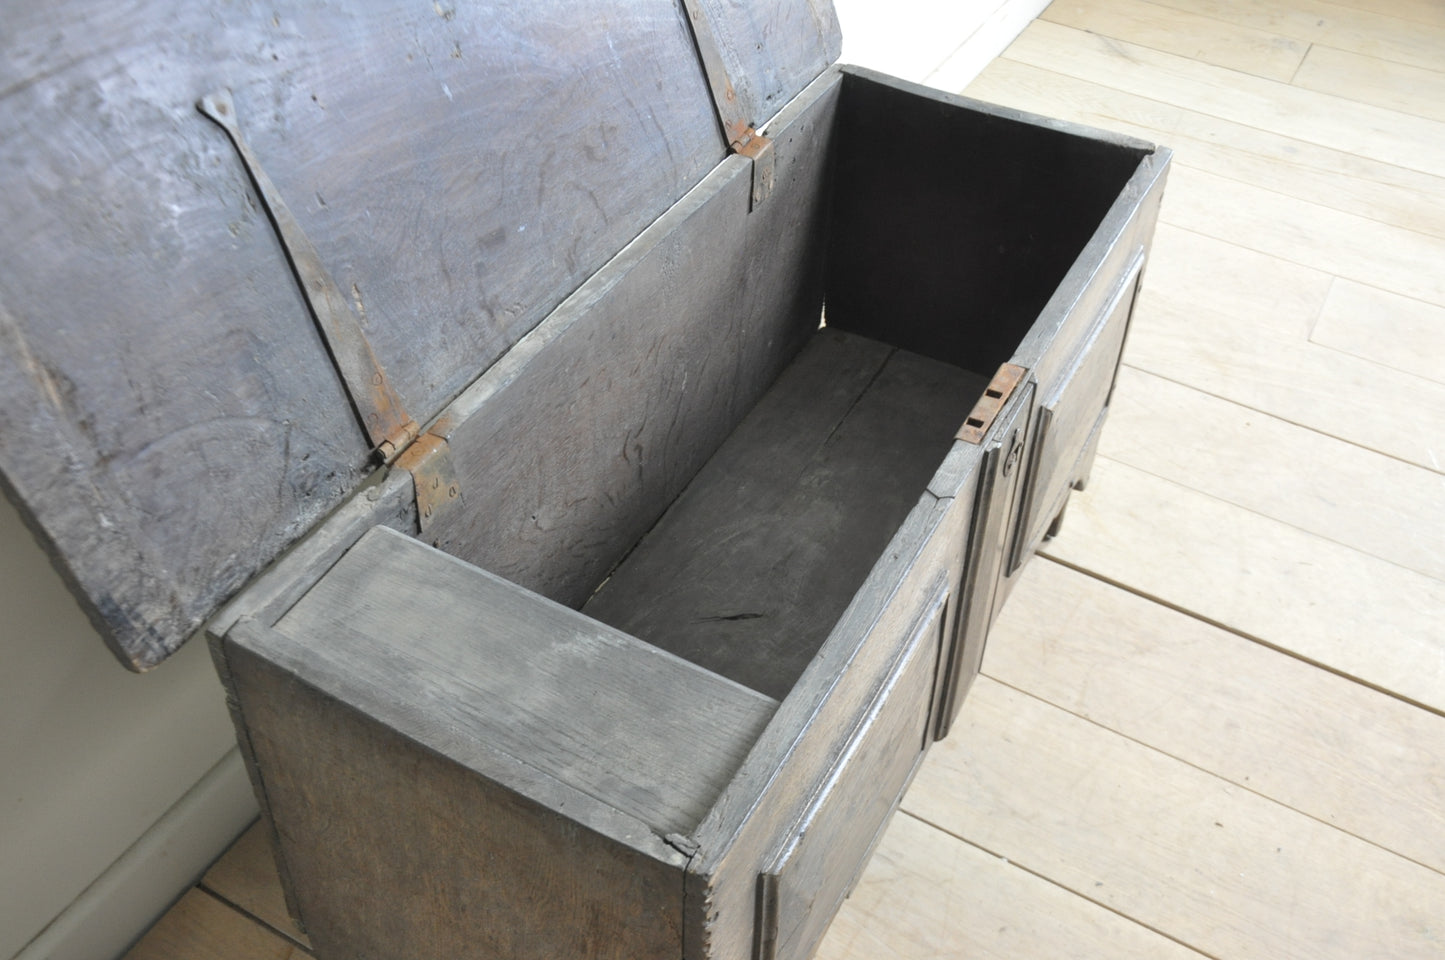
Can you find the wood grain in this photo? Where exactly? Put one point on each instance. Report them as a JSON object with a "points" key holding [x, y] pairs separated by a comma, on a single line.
{"points": [[1233, 322], [1329, 121], [1358, 248], [200, 927], [750, 568], [245, 877], [173, 418], [927, 895], [1399, 332], [1263, 158], [1316, 742], [1414, 90], [1291, 589], [450, 653], [1201, 38], [1384, 34], [1359, 498], [1223, 870]]}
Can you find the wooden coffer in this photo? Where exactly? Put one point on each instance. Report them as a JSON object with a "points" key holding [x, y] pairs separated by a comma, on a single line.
{"points": [[607, 433]]}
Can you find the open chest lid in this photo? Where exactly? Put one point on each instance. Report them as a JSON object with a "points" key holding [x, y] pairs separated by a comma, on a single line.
{"points": [[438, 175]]}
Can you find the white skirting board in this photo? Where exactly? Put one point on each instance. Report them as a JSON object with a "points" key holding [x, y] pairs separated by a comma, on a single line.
{"points": [[154, 872], [940, 43], [990, 39]]}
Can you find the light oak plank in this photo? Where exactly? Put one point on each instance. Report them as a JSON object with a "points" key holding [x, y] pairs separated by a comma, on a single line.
{"points": [[1399, 332], [200, 927], [1205, 39], [1306, 171], [1395, 86], [1380, 506], [1329, 121], [1223, 870], [1312, 740], [246, 878], [1233, 322], [927, 895], [1343, 244], [1428, 12], [1291, 589], [1318, 21]]}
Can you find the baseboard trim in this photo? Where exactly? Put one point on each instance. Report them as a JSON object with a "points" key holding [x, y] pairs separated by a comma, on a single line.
{"points": [[990, 39], [135, 890]]}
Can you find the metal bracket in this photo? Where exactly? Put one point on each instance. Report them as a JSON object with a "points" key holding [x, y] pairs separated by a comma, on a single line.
{"points": [[737, 129], [388, 426], [995, 395], [438, 492], [758, 149]]}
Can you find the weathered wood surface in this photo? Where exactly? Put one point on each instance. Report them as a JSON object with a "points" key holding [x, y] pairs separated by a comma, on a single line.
{"points": [[804, 887], [389, 857], [609, 408], [247, 879], [1033, 192], [748, 826], [173, 419], [986, 556], [200, 927], [448, 653], [751, 567]]}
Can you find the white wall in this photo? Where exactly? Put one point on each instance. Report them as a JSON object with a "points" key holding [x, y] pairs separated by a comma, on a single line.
{"points": [[941, 43], [91, 755]]}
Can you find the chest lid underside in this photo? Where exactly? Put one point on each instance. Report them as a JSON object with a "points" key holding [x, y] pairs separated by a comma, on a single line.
{"points": [[438, 175]]}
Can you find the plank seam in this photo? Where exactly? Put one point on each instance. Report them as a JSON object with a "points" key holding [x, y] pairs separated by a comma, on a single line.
{"points": [[1114, 41], [1178, 608], [254, 918], [1211, 773], [1052, 882], [1437, 468]]}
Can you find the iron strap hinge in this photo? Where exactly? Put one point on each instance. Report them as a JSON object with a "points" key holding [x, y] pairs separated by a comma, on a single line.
{"points": [[737, 129], [995, 395], [388, 426], [434, 477]]}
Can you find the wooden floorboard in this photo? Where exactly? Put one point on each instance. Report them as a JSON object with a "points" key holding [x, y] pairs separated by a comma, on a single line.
{"points": [[1220, 868], [1213, 724], [1391, 510], [1336, 122], [1262, 53], [1263, 158], [1291, 589], [1235, 323], [1348, 756], [246, 879]]}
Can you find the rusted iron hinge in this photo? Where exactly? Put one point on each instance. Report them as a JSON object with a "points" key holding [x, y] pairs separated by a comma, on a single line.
{"points": [[434, 477], [995, 395], [737, 129], [388, 426]]}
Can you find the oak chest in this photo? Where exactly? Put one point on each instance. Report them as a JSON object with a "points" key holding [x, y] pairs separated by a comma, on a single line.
{"points": [[606, 439]]}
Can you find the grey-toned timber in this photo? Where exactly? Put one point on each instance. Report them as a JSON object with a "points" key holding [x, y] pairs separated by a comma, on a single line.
{"points": [[448, 653], [396, 850], [752, 565], [680, 451], [173, 418], [713, 578]]}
